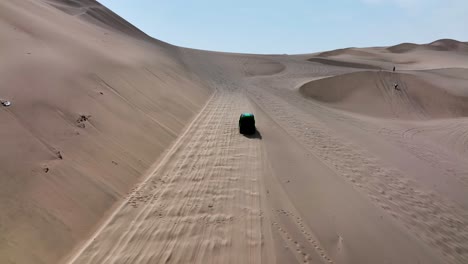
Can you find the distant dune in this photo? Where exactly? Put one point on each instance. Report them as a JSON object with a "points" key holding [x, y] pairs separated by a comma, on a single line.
{"points": [[439, 45], [449, 45], [402, 48], [417, 56]]}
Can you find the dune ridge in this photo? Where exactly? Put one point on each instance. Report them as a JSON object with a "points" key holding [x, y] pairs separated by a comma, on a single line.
{"points": [[438, 45]]}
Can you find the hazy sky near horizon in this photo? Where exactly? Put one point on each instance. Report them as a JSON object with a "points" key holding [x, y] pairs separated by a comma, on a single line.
{"points": [[294, 26]]}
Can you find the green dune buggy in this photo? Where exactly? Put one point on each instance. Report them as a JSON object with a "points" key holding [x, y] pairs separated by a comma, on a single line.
{"points": [[247, 124]]}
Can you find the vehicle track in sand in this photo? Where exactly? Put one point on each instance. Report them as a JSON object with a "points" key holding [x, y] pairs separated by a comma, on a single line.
{"points": [[429, 217], [303, 194], [202, 202]]}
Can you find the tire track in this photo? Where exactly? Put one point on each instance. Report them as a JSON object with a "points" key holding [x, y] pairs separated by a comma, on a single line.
{"points": [[201, 206], [436, 220], [304, 243]]}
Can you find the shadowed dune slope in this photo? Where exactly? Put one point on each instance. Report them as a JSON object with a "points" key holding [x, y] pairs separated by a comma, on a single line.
{"points": [[438, 45], [449, 45], [257, 66], [343, 63], [92, 109], [347, 51], [374, 93], [403, 47]]}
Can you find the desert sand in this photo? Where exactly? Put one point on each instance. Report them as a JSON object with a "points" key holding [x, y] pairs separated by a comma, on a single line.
{"points": [[119, 148]]}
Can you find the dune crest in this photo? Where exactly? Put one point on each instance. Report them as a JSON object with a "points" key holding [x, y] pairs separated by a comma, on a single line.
{"points": [[438, 45]]}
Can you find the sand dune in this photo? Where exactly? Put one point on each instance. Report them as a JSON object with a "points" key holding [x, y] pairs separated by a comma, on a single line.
{"points": [[406, 56], [403, 47], [438, 45], [94, 12], [119, 148], [59, 175], [387, 94], [449, 45]]}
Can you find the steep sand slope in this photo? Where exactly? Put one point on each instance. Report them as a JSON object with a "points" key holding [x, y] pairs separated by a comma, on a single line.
{"points": [[92, 109]]}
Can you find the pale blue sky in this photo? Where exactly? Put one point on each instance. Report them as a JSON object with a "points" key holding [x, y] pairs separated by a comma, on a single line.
{"points": [[294, 26]]}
